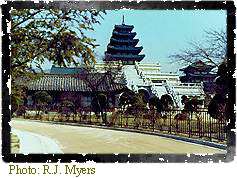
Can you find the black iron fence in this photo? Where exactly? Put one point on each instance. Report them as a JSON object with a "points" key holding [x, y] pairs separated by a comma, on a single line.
{"points": [[193, 124], [197, 124]]}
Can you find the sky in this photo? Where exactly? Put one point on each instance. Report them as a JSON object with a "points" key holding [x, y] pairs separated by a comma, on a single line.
{"points": [[161, 32]]}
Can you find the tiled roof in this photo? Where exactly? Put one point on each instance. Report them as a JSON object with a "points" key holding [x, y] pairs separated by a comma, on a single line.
{"points": [[51, 82], [198, 65], [65, 70]]}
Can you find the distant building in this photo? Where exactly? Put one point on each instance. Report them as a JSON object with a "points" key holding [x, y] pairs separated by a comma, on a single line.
{"points": [[199, 72]]}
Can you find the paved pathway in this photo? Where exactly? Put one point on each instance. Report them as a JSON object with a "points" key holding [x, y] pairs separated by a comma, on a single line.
{"points": [[75, 139], [35, 143]]}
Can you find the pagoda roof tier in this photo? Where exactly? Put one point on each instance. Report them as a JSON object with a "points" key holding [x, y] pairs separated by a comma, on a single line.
{"points": [[124, 27], [124, 48], [132, 42], [119, 34], [123, 57], [203, 75], [199, 66]]}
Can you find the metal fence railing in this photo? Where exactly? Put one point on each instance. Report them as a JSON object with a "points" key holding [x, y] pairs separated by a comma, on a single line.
{"points": [[197, 124]]}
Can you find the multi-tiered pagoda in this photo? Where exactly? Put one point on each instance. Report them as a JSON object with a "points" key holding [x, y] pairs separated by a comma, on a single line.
{"points": [[200, 72], [122, 46]]}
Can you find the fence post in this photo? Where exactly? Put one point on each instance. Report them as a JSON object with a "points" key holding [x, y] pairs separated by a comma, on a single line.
{"points": [[153, 120], [127, 122], [80, 117], [199, 126], [170, 130], [189, 124], [225, 129], [221, 130], [210, 136]]}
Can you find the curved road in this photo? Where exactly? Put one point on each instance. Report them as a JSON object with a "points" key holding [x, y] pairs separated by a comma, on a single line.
{"points": [[75, 139]]}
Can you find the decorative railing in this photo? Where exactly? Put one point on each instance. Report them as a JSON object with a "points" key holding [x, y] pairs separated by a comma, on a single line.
{"points": [[197, 124]]}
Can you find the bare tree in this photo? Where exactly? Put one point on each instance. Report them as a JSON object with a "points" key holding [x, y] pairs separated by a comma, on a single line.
{"points": [[99, 83], [212, 51], [114, 70]]}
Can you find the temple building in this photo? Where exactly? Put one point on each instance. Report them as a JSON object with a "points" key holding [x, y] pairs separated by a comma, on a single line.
{"points": [[122, 46], [76, 85], [199, 72]]}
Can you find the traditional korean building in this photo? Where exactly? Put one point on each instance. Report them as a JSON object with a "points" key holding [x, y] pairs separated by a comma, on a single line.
{"points": [[76, 85], [199, 72], [122, 45]]}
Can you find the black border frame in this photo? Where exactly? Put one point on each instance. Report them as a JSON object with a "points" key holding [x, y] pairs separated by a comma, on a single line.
{"points": [[121, 158]]}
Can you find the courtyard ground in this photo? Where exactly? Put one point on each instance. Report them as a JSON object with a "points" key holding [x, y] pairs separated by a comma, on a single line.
{"points": [[76, 139]]}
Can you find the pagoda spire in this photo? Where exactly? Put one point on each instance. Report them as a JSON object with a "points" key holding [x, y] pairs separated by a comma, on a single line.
{"points": [[123, 21]]}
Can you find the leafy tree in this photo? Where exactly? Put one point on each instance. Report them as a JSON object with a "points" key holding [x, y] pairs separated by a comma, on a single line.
{"points": [[153, 101], [67, 108], [144, 94], [132, 102], [126, 99], [42, 98], [155, 109], [190, 104], [99, 104], [217, 107], [223, 79], [138, 103], [166, 102], [16, 98], [58, 36], [137, 108]]}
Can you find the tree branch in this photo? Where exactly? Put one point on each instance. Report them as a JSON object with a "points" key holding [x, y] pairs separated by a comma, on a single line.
{"points": [[31, 15]]}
